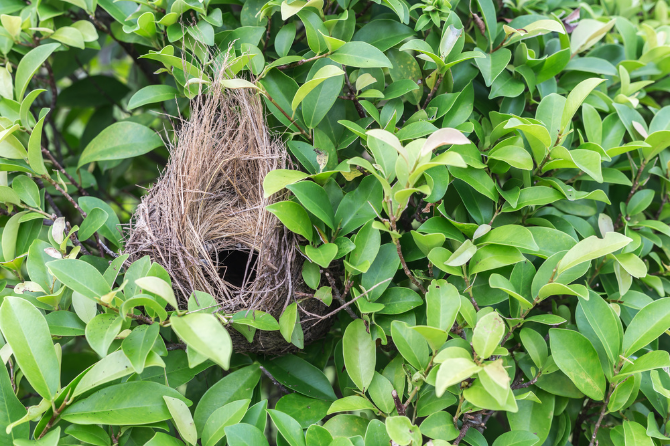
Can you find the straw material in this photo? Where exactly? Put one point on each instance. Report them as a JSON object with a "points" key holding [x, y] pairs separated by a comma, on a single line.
{"points": [[206, 215]]}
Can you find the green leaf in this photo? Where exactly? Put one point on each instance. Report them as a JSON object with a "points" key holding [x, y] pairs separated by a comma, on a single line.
{"points": [[139, 343], [35, 158], [299, 375], [289, 428], [113, 366], [578, 359], [399, 300], [492, 64], [401, 430], [576, 98], [152, 94], [244, 435], [12, 410], [636, 435], [535, 345], [604, 323], [119, 141], [640, 201], [93, 221], [126, 404], [182, 418], [442, 305], [509, 235], [257, 319], [293, 216], [278, 179], [534, 417], [647, 325], [359, 354], [323, 74], [29, 65], [223, 417], [198, 329], [494, 256], [27, 190], [591, 248], [411, 345], [235, 386], [158, 286], [349, 404], [102, 330], [490, 19], [516, 438], [27, 333], [487, 334], [315, 200], [306, 411], [453, 371], [361, 55], [89, 434]]}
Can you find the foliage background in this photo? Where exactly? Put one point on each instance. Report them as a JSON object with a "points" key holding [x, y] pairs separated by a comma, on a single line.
{"points": [[482, 186]]}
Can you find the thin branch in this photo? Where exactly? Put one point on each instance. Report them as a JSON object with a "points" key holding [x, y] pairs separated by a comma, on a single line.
{"points": [[438, 81], [277, 384], [304, 133], [302, 62], [400, 407], [352, 93], [60, 168]]}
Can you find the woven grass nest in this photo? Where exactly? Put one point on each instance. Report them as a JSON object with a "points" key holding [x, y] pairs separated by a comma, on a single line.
{"points": [[205, 219]]}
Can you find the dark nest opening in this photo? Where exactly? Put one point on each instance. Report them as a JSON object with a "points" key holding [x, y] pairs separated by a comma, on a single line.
{"points": [[205, 219]]}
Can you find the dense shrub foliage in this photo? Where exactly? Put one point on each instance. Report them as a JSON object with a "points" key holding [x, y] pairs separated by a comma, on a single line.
{"points": [[480, 188]]}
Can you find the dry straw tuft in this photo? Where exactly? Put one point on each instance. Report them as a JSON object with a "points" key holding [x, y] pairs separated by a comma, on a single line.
{"points": [[205, 220]]}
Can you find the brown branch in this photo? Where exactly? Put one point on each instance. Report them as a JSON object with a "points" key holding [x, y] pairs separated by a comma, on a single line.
{"points": [[340, 297], [636, 183], [277, 384], [60, 168], [293, 122], [352, 92], [267, 34], [302, 62], [521, 385], [603, 411], [438, 81], [54, 416], [400, 407], [368, 5]]}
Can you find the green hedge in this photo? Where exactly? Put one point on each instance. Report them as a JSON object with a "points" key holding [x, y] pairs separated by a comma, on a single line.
{"points": [[482, 187]]}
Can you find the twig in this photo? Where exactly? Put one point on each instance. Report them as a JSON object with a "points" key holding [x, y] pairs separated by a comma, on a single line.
{"points": [[55, 415], [346, 304], [267, 34], [11, 375], [304, 133], [352, 92], [400, 407], [603, 411], [277, 384], [520, 385], [438, 81], [636, 183], [339, 297], [301, 62], [364, 10]]}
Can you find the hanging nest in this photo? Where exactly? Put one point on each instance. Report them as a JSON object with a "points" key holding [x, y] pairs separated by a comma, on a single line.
{"points": [[205, 219]]}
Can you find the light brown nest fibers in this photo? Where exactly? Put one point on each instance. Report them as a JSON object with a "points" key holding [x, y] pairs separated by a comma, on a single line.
{"points": [[205, 219]]}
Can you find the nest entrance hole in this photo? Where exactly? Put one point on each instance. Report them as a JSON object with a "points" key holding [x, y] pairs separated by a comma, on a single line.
{"points": [[233, 264]]}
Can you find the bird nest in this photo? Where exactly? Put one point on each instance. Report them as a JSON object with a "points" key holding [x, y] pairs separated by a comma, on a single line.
{"points": [[205, 219]]}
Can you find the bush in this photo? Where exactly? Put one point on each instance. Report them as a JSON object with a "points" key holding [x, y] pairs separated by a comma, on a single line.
{"points": [[479, 192]]}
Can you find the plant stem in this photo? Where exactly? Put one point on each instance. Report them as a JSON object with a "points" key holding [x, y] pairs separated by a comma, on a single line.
{"points": [[304, 133]]}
